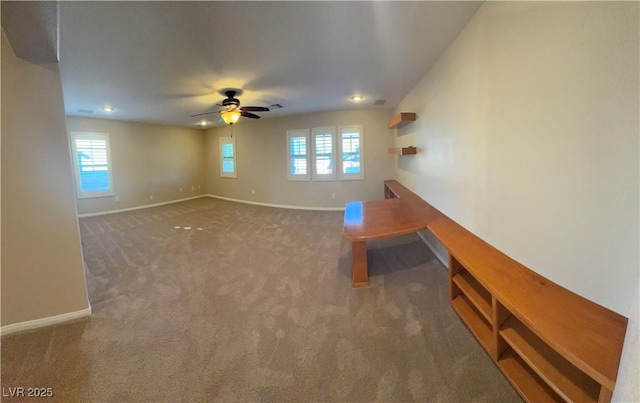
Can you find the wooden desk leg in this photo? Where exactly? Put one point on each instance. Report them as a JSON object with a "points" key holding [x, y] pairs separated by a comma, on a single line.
{"points": [[359, 276]]}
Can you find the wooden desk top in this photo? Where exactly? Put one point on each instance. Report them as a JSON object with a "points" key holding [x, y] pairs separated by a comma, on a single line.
{"points": [[585, 333], [404, 214], [378, 219]]}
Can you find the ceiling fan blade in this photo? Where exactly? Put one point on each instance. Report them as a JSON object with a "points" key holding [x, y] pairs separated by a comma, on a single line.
{"points": [[200, 114], [254, 109], [249, 115]]}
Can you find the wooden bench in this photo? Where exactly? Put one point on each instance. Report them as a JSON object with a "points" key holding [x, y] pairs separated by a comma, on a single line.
{"points": [[550, 343]]}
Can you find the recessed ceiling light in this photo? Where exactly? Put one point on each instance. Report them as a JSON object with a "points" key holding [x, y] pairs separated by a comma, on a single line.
{"points": [[203, 123], [108, 108], [357, 98]]}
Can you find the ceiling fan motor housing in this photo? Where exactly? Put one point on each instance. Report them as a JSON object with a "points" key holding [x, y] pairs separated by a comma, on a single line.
{"points": [[230, 100], [232, 104]]}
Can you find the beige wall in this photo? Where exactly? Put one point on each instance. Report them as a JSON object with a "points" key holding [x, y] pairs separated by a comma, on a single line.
{"points": [[262, 161], [529, 131], [147, 160], [159, 160], [42, 269]]}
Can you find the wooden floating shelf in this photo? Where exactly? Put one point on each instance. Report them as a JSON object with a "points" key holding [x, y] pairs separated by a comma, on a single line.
{"points": [[402, 119], [403, 151]]}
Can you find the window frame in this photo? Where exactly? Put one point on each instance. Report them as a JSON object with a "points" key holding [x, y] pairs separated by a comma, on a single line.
{"points": [[234, 158], [341, 131], [74, 136], [294, 134], [318, 131]]}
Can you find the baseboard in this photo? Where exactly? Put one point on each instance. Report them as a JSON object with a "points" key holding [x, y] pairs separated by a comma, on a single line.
{"points": [[51, 320], [138, 207], [443, 259], [278, 205]]}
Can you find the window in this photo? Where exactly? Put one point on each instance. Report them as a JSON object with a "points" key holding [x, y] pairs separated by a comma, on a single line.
{"points": [[351, 153], [228, 157], [92, 164], [323, 153], [314, 157], [298, 155]]}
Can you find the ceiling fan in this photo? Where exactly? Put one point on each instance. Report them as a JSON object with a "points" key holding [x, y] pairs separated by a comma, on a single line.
{"points": [[231, 110]]}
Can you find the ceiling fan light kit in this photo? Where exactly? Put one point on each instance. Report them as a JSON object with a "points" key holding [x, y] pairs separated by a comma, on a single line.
{"points": [[230, 117]]}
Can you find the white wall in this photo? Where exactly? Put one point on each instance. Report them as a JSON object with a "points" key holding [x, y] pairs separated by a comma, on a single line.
{"points": [[42, 268], [528, 135], [147, 160], [262, 161], [628, 382]]}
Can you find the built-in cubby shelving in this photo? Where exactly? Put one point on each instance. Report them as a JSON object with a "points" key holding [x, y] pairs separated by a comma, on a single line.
{"points": [[562, 376], [524, 380], [550, 343], [474, 292], [537, 371], [480, 328]]}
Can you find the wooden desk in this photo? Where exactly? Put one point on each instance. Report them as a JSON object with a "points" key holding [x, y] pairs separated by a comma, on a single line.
{"points": [[402, 212], [549, 342], [376, 219]]}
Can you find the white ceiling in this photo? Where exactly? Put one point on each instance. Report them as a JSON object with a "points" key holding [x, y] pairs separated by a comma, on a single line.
{"points": [[162, 62]]}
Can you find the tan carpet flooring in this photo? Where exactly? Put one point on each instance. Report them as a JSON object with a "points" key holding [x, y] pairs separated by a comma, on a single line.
{"points": [[209, 300]]}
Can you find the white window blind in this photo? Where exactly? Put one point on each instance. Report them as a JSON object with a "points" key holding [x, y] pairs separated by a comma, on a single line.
{"points": [[351, 153], [298, 154], [323, 153], [228, 157], [92, 165]]}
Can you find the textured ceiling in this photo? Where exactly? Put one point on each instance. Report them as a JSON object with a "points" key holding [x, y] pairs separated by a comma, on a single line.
{"points": [[161, 62]]}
